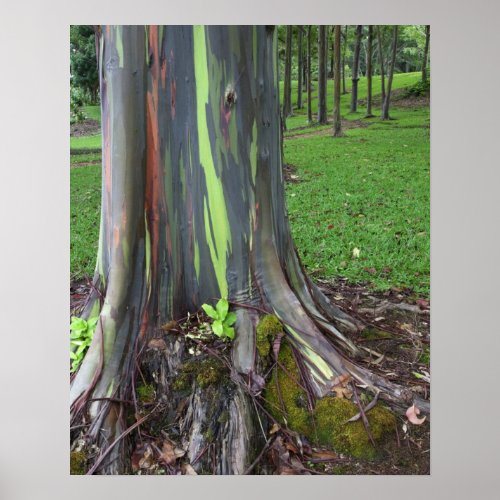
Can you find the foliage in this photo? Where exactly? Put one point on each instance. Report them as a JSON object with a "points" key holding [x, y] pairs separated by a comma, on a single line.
{"points": [[418, 89], [80, 338], [222, 319], [75, 105], [83, 62]]}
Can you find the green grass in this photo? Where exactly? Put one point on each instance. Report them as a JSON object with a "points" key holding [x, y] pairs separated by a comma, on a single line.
{"points": [[92, 112], [85, 215], [368, 190], [86, 142]]}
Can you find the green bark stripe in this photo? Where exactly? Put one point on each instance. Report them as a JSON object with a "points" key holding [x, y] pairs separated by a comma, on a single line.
{"points": [[215, 209]]}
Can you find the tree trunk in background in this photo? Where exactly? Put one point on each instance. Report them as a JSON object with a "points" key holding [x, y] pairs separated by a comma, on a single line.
{"points": [[309, 74], [369, 73], [387, 100], [300, 67], [332, 49], [381, 62], [355, 69], [322, 113], [426, 53], [193, 209], [337, 125], [344, 91], [287, 87]]}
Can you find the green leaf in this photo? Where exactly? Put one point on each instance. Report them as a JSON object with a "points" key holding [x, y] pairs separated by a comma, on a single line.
{"points": [[228, 331], [92, 322], [217, 328], [210, 311], [222, 308], [72, 355], [230, 319], [77, 324]]}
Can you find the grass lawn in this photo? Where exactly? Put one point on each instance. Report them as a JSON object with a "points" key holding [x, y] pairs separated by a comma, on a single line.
{"points": [[369, 190]]}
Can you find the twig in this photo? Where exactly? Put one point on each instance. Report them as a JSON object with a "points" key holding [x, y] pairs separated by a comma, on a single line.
{"points": [[260, 455]]}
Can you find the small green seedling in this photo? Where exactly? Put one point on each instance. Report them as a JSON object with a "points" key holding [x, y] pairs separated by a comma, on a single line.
{"points": [[222, 319], [82, 332]]}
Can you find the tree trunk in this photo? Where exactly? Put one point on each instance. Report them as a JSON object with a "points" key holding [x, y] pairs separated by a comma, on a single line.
{"points": [[387, 100], [426, 53], [369, 72], [309, 74], [344, 91], [287, 88], [193, 209], [337, 125], [332, 49], [381, 61], [322, 112], [300, 68], [355, 69]]}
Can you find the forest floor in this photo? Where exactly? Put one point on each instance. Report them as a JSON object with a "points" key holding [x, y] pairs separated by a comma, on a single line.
{"points": [[365, 240]]}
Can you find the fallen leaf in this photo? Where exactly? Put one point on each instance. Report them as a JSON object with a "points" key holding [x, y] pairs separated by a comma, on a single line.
{"points": [[169, 326], [355, 253], [147, 460], [330, 226], [323, 455], [170, 453], [187, 470], [412, 414], [341, 386], [423, 304], [370, 270], [157, 344]]}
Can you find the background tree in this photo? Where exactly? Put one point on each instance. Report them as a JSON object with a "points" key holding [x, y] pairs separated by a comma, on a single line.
{"points": [[83, 65], [300, 68], [426, 53], [355, 69], [344, 49], [309, 76], [322, 111], [337, 125], [387, 100], [369, 72], [380, 47], [287, 88]]}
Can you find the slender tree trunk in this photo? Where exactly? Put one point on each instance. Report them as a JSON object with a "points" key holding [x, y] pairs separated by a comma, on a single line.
{"points": [[300, 68], [344, 91], [355, 69], [337, 125], [332, 49], [322, 113], [381, 62], [426, 53], [387, 100], [369, 72], [309, 74], [193, 209], [287, 88]]}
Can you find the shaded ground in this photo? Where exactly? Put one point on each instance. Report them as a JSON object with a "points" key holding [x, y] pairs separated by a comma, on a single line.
{"points": [[398, 340], [86, 127]]}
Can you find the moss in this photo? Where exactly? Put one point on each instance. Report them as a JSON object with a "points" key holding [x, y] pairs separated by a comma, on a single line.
{"points": [[207, 372], [371, 333], [145, 393], [286, 400], [268, 327], [327, 425], [331, 416], [77, 462], [425, 357]]}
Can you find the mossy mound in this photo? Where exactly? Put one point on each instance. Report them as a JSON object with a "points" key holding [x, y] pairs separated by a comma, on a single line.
{"points": [[333, 429], [372, 333], [207, 372], [77, 463], [268, 327], [145, 393], [328, 424]]}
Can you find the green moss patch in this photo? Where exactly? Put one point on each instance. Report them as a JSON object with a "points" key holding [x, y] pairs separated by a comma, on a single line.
{"points": [[77, 463], [207, 372], [268, 327], [328, 424]]}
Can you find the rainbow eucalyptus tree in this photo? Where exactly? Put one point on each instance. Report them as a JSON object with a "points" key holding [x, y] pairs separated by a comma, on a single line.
{"points": [[193, 209]]}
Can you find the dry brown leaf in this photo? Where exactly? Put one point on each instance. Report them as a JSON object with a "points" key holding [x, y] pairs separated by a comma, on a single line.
{"points": [[323, 455], [341, 386], [147, 460], [275, 428], [157, 344], [187, 470], [170, 453], [412, 414], [169, 326]]}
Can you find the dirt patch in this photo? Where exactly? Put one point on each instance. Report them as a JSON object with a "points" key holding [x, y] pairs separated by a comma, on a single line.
{"points": [[346, 125], [289, 173], [398, 100], [85, 163], [87, 127]]}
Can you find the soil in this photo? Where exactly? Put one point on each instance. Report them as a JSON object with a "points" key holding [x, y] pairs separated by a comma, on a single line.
{"points": [[398, 336], [398, 100], [86, 127]]}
